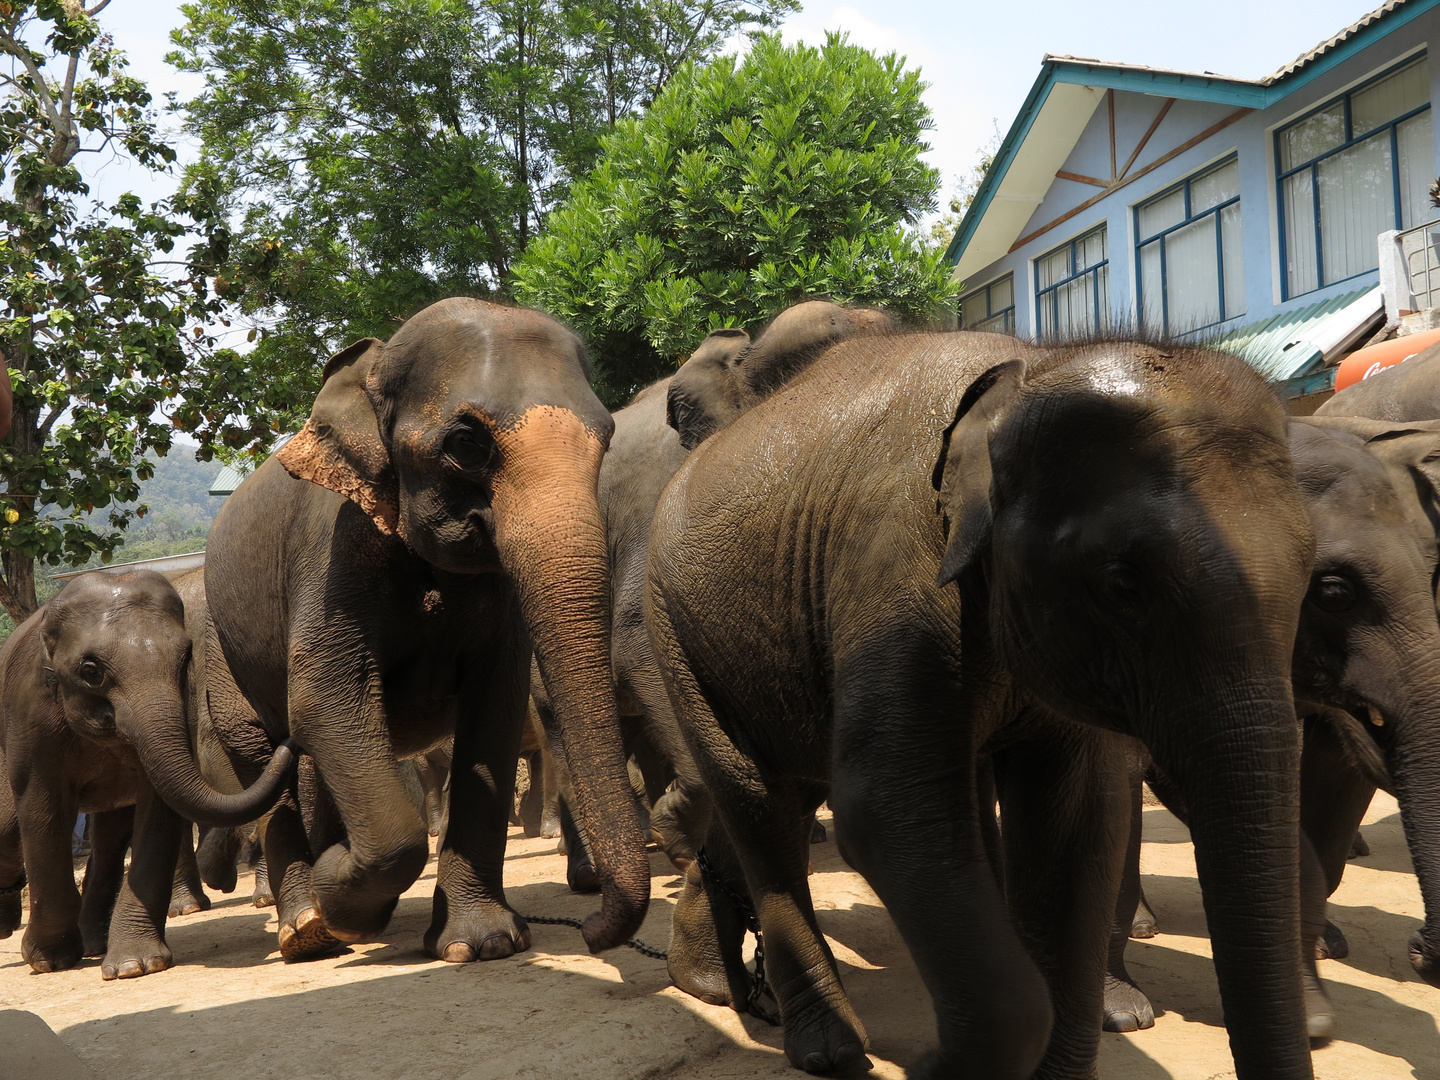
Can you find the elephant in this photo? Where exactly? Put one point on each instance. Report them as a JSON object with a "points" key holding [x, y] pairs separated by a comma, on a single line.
{"points": [[727, 374], [1118, 547], [1408, 391], [379, 585], [93, 700]]}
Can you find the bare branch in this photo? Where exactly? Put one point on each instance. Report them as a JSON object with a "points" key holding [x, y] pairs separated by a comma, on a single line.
{"points": [[92, 12], [16, 49]]}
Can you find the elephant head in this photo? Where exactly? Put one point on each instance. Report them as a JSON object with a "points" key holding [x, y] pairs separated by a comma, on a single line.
{"points": [[1128, 520], [729, 374], [1369, 640], [118, 656], [473, 435]]}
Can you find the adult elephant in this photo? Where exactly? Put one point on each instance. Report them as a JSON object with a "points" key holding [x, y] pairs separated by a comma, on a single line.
{"points": [[379, 585], [728, 373], [1128, 551], [93, 716], [1408, 391], [1366, 678]]}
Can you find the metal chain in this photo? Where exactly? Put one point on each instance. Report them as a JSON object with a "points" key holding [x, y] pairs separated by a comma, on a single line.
{"points": [[759, 988], [634, 943]]}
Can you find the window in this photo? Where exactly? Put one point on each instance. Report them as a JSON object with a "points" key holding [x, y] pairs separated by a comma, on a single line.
{"points": [[1191, 272], [990, 307], [1072, 287], [1351, 170]]}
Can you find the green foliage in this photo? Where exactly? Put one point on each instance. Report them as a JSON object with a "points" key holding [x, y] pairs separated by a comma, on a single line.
{"points": [[103, 321], [747, 186], [393, 152]]}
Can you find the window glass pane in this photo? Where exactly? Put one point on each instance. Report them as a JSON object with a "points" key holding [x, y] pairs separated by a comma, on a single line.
{"points": [[1215, 187], [1002, 294], [1356, 197], [999, 324], [1416, 140], [972, 307], [1233, 257], [1152, 313], [1392, 96], [1089, 250], [1074, 302], [1312, 137], [1054, 267], [1300, 266], [1100, 318], [1161, 213], [1192, 276]]}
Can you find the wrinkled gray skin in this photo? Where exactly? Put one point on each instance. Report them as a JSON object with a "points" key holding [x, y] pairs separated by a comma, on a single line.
{"points": [[726, 375], [1105, 581], [1366, 678], [1408, 391], [94, 689], [381, 584]]}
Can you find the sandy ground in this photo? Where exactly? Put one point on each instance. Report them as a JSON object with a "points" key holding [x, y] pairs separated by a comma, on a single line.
{"points": [[232, 1008]]}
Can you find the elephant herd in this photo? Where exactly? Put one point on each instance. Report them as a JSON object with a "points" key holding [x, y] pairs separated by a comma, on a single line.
{"points": [[920, 576]]}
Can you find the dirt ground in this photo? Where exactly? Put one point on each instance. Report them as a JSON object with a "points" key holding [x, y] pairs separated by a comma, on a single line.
{"points": [[232, 1008]]}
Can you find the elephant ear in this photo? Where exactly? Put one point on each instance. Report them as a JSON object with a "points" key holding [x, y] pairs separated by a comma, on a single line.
{"points": [[1410, 451], [963, 471], [340, 447], [704, 395]]}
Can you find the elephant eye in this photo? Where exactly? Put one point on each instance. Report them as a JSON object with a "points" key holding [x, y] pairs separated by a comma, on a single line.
{"points": [[90, 672], [1334, 593], [1123, 584], [471, 450]]}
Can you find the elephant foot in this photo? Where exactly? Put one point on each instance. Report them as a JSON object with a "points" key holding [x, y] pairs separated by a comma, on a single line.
{"points": [[357, 900], [550, 826], [826, 1037], [1144, 925], [307, 938], [1331, 945], [1126, 1006], [581, 875], [1319, 1012], [1358, 847], [130, 960], [215, 858], [482, 932], [262, 896], [1424, 959], [94, 935], [818, 835], [697, 962], [10, 909], [58, 955], [185, 900]]}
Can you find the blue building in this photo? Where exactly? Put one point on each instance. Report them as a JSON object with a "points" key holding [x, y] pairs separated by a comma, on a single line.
{"points": [[1246, 212]]}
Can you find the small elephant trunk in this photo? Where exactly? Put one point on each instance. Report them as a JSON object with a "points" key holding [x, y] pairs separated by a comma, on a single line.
{"points": [[1238, 770], [551, 540], [158, 731]]}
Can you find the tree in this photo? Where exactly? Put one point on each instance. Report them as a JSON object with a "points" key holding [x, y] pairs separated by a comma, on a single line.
{"points": [[748, 185], [103, 325], [402, 151]]}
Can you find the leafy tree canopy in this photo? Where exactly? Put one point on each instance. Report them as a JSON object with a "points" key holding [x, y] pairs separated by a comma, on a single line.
{"points": [[103, 320], [748, 185], [401, 151]]}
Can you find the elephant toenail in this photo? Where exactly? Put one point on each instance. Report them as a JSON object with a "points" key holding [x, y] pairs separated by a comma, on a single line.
{"points": [[496, 947], [1122, 1022], [458, 952]]}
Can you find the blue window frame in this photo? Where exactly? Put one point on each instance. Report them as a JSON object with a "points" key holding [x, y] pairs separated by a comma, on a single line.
{"points": [[1072, 287], [1188, 252], [990, 307], [1354, 167]]}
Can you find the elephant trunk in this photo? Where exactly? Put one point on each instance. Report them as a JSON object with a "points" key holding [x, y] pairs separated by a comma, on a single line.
{"points": [[157, 729], [1238, 770], [1414, 765], [551, 540]]}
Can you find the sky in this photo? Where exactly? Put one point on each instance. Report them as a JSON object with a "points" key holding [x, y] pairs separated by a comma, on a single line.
{"points": [[980, 59]]}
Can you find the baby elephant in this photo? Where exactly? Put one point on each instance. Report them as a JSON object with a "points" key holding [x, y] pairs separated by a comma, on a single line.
{"points": [[95, 704]]}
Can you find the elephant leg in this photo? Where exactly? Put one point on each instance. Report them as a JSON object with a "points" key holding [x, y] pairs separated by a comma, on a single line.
{"points": [[110, 833], [137, 929], [1066, 812], [52, 939], [680, 817], [579, 863], [262, 895], [187, 894], [1126, 1006], [12, 859], [897, 731], [707, 930], [215, 858], [287, 857], [1143, 924], [1319, 1012], [550, 809], [1333, 799], [532, 803], [470, 918]]}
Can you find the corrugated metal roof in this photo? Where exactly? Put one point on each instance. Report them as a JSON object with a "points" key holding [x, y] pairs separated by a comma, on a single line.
{"points": [[165, 564], [228, 478], [1291, 343], [1339, 39]]}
